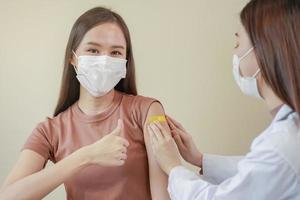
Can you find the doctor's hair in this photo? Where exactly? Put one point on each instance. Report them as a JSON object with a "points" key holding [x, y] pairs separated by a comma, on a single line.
{"points": [[70, 87], [274, 30]]}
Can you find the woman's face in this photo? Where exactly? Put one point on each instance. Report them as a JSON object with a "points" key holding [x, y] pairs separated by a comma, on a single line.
{"points": [[249, 65], [104, 39]]}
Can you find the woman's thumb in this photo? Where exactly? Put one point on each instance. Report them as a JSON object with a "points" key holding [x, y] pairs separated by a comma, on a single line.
{"points": [[119, 127]]}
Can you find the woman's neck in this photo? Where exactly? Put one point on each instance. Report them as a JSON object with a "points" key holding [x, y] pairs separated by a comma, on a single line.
{"points": [[91, 105]]}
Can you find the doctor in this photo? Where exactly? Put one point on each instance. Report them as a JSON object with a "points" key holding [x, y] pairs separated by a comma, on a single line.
{"points": [[266, 65]]}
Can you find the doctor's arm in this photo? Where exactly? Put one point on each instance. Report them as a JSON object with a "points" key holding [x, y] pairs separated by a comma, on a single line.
{"points": [[262, 174], [215, 168], [158, 178]]}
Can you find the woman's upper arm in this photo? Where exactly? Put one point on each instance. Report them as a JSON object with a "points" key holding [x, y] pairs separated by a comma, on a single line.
{"points": [[29, 162], [158, 179]]}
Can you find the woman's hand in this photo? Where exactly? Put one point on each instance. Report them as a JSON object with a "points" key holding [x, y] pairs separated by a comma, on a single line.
{"points": [[185, 143], [111, 150], [164, 147]]}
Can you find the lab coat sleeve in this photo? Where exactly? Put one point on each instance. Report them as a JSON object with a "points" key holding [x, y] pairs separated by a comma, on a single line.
{"points": [[218, 168], [262, 174]]}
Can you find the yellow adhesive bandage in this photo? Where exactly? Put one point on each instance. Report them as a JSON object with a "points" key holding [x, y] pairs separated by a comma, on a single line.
{"points": [[160, 118]]}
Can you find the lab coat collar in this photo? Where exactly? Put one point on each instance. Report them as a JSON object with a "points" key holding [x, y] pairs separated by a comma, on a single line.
{"points": [[283, 113]]}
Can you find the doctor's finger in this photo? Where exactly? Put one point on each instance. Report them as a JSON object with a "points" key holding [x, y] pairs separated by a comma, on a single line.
{"points": [[179, 142], [156, 132], [171, 124], [174, 123], [185, 136], [153, 138], [164, 132]]}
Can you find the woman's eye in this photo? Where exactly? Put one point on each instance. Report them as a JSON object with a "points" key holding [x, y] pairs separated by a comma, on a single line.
{"points": [[116, 53], [93, 51]]}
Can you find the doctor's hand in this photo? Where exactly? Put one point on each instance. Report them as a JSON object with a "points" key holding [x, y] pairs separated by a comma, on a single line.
{"points": [[185, 143], [164, 147]]}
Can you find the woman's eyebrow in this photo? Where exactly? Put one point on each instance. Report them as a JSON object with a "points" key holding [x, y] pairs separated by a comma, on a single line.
{"points": [[93, 43], [118, 47], [99, 45]]}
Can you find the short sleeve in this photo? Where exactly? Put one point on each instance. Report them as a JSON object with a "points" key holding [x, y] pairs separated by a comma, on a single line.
{"points": [[40, 142], [141, 107]]}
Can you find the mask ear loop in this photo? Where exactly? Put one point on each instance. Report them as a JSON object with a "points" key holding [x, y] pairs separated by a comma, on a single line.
{"points": [[75, 67], [247, 53], [256, 73]]}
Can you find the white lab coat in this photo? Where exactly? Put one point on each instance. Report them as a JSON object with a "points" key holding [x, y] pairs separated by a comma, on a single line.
{"points": [[270, 171]]}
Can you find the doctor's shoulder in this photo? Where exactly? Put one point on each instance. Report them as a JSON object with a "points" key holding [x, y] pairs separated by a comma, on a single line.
{"points": [[284, 137]]}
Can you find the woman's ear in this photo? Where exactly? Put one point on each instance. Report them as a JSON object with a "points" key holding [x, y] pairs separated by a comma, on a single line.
{"points": [[72, 61]]}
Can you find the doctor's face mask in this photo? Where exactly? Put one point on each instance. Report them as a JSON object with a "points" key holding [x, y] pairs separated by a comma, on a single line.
{"points": [[248, 85], [246, 74]]}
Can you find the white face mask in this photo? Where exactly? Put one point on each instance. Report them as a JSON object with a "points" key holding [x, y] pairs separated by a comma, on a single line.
{"points": [[99, 74], [248, 85]]}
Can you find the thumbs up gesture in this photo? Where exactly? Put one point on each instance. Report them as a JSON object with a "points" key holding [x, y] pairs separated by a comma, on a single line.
{"points": [[111, 150]]}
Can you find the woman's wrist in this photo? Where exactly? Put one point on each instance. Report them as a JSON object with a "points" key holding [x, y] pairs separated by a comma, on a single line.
{"points": [[83, 157]]}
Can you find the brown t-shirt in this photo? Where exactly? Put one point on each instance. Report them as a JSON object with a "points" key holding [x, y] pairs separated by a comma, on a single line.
{"points": [[58, 137]]}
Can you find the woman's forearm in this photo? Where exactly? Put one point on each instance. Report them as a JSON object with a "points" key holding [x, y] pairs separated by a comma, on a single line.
{"points": [[38, 185], [109, 151]]}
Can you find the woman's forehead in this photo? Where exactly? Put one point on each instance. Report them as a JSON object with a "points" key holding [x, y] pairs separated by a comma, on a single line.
{"points": [[108, 34]]}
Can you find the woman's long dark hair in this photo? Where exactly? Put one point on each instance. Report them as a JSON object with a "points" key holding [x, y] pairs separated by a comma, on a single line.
{"points": [[69, 92], [274, 29]]}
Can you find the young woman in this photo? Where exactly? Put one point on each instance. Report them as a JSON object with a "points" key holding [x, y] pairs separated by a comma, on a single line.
{"points": [[97, 138], [267, 66]]}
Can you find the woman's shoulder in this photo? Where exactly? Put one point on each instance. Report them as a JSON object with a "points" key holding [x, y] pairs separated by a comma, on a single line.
{"points": [[138, 98], [44, 137], [139, 105], [52, 122], [138, 101]]}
